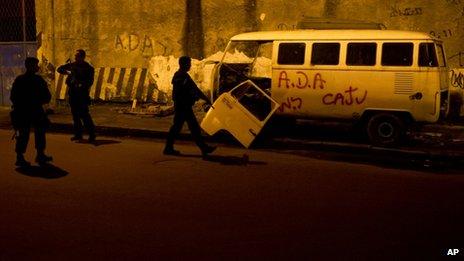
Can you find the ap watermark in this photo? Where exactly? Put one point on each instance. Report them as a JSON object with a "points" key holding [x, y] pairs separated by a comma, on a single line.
{"points": [[452, 252]]}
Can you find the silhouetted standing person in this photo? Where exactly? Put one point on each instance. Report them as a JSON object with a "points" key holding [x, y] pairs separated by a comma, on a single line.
{"points": [[184, 94], [28, 95], [80, 79]]}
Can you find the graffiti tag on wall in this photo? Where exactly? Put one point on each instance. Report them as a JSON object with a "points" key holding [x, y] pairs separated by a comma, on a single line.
{"points": [[443, 33], [145, 44], [284, 26], [409, 11], [457, 79]]}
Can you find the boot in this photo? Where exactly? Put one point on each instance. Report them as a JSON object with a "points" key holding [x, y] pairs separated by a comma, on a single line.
{"points": [[43, 159], [76, 138], [207, 150], [21, 161], [171, 151], [92, 138]]}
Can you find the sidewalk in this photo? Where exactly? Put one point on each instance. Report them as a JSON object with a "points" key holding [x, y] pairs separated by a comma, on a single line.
{"points": [[110, 120]]}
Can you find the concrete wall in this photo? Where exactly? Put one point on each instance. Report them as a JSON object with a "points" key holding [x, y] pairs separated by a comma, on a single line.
{"points": [[114, 32], [128, 33]]}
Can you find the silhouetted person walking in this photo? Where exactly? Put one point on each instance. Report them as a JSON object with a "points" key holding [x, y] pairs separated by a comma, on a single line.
{"points": [[28, 95], [80, 79], [184, 94]]}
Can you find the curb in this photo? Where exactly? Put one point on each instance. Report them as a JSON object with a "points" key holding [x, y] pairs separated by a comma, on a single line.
{"points": [[117, 131], [276, 143], [139, 133]]}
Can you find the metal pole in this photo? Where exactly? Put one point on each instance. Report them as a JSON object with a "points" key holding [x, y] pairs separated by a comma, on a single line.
{"points": [[53, 32], [53, 83], [23, 9], [23, 6]]}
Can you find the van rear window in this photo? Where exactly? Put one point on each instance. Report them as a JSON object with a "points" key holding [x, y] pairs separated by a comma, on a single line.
{"points": [[325, 54], [427, 55], [291, 53], [361, 54], [397, 54]]}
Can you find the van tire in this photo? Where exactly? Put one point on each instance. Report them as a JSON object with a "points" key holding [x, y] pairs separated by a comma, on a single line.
{"points": [[385, 129]]}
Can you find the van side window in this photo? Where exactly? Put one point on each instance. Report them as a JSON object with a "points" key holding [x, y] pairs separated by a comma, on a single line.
{"points": [[397, 54], [361, 54], [427, 55], [325, 54], [291, 53]]}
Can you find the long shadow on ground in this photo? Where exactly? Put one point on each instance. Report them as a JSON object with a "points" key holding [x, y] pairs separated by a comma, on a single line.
{"points": [[99, 142], [47, 171]]}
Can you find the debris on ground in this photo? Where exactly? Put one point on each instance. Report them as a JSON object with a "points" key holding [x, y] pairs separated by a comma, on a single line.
{"points": [[435, 139], [157, 110]]}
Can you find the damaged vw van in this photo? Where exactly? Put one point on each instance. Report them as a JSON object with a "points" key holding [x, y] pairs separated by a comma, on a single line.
{"points": [[384, 80]]}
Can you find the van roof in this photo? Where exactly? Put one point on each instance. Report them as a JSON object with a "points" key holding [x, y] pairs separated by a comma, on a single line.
{"points": [[332, 35]]}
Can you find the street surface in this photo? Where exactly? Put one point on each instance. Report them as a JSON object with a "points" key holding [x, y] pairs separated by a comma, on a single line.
{"points": [[123, 199]]}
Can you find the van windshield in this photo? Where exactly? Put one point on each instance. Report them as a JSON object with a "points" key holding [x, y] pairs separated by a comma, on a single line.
{"points": [[427, 55], [256, 54], [246, 60], [441, 56], [241, 52]]}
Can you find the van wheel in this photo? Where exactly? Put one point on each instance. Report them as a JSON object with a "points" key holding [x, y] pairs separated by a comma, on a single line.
{"points": [[385, 129]]}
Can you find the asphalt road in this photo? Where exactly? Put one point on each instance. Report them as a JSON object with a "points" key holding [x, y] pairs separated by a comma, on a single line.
{"points": [[124, 200]]}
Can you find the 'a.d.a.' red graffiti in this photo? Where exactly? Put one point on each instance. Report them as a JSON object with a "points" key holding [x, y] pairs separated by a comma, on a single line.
{"points": [[292, 103], [349, 97], [302, 81]]}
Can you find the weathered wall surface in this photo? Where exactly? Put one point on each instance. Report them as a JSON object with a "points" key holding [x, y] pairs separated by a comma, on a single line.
{"points": [[128, 33], [121, 33], [224, 19], [442, 18], [114, 32]]}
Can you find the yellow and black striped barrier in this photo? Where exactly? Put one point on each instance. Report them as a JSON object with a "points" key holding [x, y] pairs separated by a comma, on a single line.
{"points": [[121, 84]]}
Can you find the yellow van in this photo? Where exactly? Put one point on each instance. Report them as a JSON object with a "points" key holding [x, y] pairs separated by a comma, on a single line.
{"points": [[384, 79]]}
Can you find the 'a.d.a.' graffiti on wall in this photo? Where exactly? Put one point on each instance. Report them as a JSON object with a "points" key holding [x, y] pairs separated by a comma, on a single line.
{"points": [[146, 45]]}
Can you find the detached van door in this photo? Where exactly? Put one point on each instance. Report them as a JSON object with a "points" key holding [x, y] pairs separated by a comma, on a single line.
{"points": [[243, 112]]}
